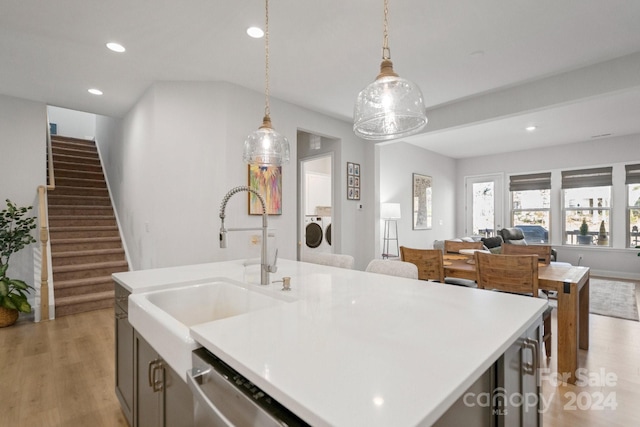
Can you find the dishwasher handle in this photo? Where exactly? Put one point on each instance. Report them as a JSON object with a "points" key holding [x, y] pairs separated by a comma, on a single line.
{"points": [[194, 379]]}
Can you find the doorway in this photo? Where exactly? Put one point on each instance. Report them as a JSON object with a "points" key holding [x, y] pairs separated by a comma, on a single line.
{"points": [[316, 191], [483, 205]]}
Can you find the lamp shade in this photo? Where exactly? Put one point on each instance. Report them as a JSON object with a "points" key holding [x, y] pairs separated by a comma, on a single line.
{"points": [[390, 211], [390, 107], [265, 146]]}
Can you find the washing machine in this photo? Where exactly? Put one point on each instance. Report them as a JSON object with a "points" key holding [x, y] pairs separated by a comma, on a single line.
{"points": [[326, 222], [314, 231]]}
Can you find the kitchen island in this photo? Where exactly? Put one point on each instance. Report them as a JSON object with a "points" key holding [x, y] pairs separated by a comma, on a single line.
{"points": [[352, 348]]}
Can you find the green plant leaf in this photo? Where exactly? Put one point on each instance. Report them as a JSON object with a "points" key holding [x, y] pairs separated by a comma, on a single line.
{"points": [[19, 284], [4, 287], [7, 303], [25, 307], [3, 268], [20, 302]]}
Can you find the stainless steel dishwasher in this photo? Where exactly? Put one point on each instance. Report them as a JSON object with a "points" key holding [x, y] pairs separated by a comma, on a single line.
{"points": [[223, 397]]}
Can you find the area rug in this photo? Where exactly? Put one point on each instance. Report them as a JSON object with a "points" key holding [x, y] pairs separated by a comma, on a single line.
{"points": [[613, 299], [610, 298]]}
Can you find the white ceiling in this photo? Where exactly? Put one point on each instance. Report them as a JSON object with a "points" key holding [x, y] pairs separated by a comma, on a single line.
{"points": [[324, 52]]}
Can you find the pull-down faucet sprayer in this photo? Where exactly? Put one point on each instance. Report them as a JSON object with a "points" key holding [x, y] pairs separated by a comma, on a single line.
{"points": [[265, 267]]}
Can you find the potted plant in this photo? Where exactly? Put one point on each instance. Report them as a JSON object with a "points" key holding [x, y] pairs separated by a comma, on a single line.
{"points": [[603, 238], [15, 234], [584, 238]]}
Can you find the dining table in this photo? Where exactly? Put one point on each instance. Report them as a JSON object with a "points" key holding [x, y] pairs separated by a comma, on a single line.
{"points": [[571, 285]]}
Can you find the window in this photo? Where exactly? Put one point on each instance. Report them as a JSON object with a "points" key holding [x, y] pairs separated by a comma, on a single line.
{"points": [[633, 204], [587, 206], [530, 205]]}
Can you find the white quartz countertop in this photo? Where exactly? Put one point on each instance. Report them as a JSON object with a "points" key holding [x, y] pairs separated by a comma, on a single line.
{"points": [[356, 348]]}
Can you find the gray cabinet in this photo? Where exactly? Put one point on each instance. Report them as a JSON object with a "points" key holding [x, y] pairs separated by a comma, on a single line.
{"points": [[124, 353], [162, 398], [518, 376], [508, 394], [151, 394]]}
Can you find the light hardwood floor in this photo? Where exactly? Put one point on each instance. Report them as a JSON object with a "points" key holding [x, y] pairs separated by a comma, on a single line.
{"points": [[61, 373]]}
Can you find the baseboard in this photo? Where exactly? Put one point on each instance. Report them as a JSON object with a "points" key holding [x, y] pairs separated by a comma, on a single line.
{"points": [[616, 274]]}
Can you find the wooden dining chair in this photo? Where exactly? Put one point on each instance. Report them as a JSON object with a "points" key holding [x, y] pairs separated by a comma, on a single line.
{"points": [[393, 268], [429, 262], [516, 274], [542, 251], [452, 246]]}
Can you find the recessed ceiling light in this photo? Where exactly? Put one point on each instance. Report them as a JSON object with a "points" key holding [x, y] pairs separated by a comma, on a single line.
{"points": [[95, 91], [116, 47], [255, 32], [530, 128]]}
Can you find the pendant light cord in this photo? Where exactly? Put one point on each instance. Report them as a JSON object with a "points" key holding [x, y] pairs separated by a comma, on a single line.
{"points": [[267, 110], [386, 52]]}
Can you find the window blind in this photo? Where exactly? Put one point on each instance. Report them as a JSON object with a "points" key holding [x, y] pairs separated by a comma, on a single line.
{"points": [[534, 181], [597, 177], [633, 174]]}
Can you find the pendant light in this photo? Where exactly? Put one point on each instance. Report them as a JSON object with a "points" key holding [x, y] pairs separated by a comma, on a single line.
{"points": [[390, 107], [265, 146]]}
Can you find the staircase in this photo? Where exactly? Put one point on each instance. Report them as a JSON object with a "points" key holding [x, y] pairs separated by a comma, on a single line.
{"points": [[85, 241]]}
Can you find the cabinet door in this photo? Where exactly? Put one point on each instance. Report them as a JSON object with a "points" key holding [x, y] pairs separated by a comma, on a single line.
{"points": [[124, 362], [518, 381], [148, 403], [178, 400]]}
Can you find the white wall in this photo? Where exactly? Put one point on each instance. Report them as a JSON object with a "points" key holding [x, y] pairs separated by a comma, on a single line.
{"points": [[76, 124], [616, 261], [181, 152], [23, 126], [397, 164]]}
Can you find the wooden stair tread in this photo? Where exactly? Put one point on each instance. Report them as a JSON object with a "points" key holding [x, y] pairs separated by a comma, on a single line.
{"points": [[58, 137], [89, 266], [70, 196], [71, 283], [84, 228], [81, 217], [87, 252], [79, 299], [85, 240]]}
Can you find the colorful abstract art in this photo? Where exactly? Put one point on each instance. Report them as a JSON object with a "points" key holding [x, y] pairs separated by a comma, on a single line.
{"points": [[266, 180]]}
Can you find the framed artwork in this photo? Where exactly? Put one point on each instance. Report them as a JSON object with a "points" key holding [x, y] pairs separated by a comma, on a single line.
{"points": [[353, 181], [422, 195], [266, 180]]}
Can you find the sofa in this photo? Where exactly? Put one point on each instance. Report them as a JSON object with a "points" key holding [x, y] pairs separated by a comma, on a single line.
{"points": [[515, 236], [507, 236]]}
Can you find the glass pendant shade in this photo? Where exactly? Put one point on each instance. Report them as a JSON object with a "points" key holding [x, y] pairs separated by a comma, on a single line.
{"points": [[265, 146], [391, 107]]}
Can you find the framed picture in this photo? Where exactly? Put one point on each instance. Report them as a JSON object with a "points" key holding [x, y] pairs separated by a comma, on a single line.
{"points": [[422, 196], [353, 181], [266, 180]]}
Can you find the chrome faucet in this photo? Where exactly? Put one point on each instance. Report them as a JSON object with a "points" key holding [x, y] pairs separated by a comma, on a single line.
{"points": [[265, 267]]}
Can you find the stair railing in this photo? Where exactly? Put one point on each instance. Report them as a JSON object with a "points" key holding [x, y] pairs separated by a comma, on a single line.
{"points": [[44, 239], [44, 230]]}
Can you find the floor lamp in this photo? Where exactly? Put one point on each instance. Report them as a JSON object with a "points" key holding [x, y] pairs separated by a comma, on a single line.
{"points": [[390, 212]]}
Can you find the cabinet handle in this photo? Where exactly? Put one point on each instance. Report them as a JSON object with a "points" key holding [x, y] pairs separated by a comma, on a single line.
{"points": [[531, 368], [155, 366]]}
